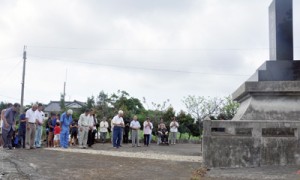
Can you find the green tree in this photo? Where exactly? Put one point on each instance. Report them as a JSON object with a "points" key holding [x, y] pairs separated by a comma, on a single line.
{"points": [[201, 107], [129, 105], [229, 108], [167, 116], [103, 104], [3, 105], [90, 103], [156, 111], [185, 120], [62, 103]]}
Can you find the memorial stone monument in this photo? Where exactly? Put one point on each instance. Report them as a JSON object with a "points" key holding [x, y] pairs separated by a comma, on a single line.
{"points": [[266, 128]]}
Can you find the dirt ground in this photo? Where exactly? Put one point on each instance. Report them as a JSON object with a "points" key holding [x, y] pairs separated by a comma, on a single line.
{"points": [[47, 164], [55, 164]]}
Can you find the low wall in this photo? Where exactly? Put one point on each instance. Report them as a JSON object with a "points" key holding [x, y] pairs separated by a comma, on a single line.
{"points": [[251, 143]]}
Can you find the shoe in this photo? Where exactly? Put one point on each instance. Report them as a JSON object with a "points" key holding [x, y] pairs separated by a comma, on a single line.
{"points": [[32, 147], [138, 146]]}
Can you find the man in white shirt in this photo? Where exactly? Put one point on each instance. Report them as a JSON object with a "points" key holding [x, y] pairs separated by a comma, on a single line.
{"points": [[103, 129], [135, 127], [84, 124], [118, 123], [30, 127], [39, 115], [173, 130]]}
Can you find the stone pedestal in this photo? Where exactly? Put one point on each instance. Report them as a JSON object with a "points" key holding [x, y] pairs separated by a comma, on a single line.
{"points": [[268, 100], [266, 128]]}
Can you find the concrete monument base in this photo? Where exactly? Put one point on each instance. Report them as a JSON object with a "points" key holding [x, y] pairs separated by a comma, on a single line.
{"points": [[251, 143], [265, 130], [268, 100]]}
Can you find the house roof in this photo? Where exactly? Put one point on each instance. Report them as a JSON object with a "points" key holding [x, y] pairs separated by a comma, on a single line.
{"points": [[54, 106]]}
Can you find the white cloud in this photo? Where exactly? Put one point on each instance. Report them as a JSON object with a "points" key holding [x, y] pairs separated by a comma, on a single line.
{"points": [[132, 45]]}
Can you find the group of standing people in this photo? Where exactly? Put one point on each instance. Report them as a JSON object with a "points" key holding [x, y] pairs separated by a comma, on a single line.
{"points": [[30, 129], [87, 129], [117, 124], [59, 128], [58, 133]]}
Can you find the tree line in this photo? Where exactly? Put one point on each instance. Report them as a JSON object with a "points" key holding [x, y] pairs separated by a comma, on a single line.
{"points": [[198, 107]]}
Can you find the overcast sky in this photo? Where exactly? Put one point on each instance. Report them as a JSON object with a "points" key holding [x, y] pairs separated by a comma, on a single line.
{"points": [[158, 49]]}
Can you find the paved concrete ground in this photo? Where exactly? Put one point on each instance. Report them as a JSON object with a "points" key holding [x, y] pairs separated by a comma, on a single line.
{"points": [[259, 173], [50, 164]]}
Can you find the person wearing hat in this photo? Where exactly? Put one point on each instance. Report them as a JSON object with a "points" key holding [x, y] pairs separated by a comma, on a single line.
{"points": [[103, 129], [65, 121], [118, 123]]}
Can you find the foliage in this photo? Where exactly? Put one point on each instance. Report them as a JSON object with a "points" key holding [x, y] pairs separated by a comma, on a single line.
{"points": [[229, 108], [108, 106], [3, 105], [62, 103], [201, 107], [158, 111], [90, 102], [184, 124]]}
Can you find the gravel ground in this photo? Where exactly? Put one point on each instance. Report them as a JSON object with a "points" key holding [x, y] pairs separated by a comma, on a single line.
{"points": [[74, 163], [105, 162], [258, 173]]}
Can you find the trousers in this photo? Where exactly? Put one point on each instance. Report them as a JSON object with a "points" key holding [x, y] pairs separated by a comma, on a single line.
{"points": [[64, 137], [30, 135], [103, 136], [173, 137], [83, 136], [117, 136], [135, 137], [7, 136], [38, 136]]}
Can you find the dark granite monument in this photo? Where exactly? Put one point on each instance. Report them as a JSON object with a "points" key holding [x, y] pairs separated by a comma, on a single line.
{"points": [[266, 128], [281, 30], [273, 92]]}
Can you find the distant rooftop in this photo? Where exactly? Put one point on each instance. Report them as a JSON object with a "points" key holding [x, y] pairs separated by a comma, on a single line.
{"points": [[54, 106]]}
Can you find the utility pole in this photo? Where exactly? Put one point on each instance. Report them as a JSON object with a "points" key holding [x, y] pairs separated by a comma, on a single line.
{"points": [[65, 84], [23, 79]]}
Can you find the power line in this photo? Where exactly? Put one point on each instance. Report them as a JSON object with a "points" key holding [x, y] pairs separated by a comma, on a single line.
{"points": [[152, 49], [13, 98], [8, 58], [4, 78], [140, 68]]}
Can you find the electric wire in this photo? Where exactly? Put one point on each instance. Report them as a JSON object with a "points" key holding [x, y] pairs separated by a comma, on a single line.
{"points": [[81, 61]]}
